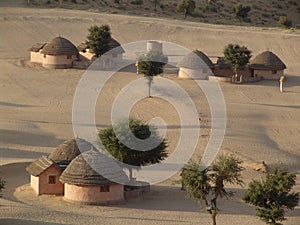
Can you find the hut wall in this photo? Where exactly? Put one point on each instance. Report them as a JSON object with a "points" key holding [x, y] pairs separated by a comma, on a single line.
{"points": [[58, 61], [154, 46], [268, 74], [34, 183], [36, 57], [223, 72], [45, 187], [90, 194], [198, 74], [87, 55]]}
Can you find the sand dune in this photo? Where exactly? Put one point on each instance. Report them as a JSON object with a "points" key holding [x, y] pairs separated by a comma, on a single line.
{"points": [[36, 113]]}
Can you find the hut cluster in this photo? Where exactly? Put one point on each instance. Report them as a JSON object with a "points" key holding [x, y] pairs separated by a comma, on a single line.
{"points": [[61, 53], [81, 174], [265, 66]]}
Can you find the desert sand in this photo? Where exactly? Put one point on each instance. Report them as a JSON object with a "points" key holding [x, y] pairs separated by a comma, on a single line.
{"points": [[36, 114]]}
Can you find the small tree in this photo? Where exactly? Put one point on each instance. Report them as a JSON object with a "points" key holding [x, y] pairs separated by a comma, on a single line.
{"points": [[273, 195], [187, 7], [284, 22], [98, 39], [131, 156], [237, 57], [2, 184], [241, 12], [151, 65], [201, 184]]}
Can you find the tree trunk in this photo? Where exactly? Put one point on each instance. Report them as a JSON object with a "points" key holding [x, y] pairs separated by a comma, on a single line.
{"points": [[214, 219], [130, 174], [149, 86]]}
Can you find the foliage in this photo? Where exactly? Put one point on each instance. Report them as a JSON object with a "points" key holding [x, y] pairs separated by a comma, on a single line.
{"points": [[98, 39], [130, 156], [236, 56], [241, 12], [200, 184], [187, 7], [284, 22], [151, 65], [273, 195], [2, 185], [136, 2]]}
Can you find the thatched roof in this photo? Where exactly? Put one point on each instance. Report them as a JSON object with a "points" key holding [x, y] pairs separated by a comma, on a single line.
{"points": [[196, 60], [81, 172], [69, 150], [267, 60], [60, 46], [37, 46], [114, 47], [39, 166]]}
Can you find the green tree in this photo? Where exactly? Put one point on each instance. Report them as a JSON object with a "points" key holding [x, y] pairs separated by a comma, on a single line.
{"points": [[272, 196], [241, 12], [201, 184], [98, 39], [236, 56], [130, 156], [151, 64], [187, 7], [2, 184]]}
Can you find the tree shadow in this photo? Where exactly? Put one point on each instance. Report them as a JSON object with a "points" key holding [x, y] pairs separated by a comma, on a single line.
{"points": [[25, 222]]}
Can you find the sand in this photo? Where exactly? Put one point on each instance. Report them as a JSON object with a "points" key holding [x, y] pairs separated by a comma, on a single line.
{"points": [[36, 114]]}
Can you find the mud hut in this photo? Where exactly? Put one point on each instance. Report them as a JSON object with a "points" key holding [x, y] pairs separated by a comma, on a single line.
{"points": [[89, 179], [195, 65], [35, 52], [112, 57], [267, 66], [44, 177]]}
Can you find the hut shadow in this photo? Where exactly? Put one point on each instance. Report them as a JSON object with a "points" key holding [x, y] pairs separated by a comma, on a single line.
{"points": [[25, 222], [14, 175], [290, 81], [281, 106], [9, 104], [29, 139]]}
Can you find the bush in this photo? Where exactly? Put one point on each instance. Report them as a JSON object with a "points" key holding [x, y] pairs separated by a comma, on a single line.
{"points": [[2, 184], [136, 2], [284, 22]]}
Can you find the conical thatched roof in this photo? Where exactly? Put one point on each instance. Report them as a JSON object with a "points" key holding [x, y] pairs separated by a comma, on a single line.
{"points": [[60, 46], [83, 170], [37, 46], [114, 47], [196, 60], [39, 166], [267, 60], [68, 151]]}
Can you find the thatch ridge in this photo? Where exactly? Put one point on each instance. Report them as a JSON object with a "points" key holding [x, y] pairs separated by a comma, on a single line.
{"points": [[37, 46], [267, 60], [39, 166], [60, 46], [196, 60], [80, 171]]}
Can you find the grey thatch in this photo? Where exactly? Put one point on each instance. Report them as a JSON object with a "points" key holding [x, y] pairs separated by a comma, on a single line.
{"points": [[267, 61], [37, 46], [196, 60], [60, 46], [69, 150], [83, 170], [114, 47], [39, 166]]}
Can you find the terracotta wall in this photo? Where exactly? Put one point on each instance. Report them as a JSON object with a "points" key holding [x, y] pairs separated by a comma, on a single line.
{"points": [[268, 75], [197, 74], [52, 189], [58, 61], [36, 57], [91, 194]]}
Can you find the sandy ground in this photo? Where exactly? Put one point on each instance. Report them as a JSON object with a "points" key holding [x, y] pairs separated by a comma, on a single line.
{"points": [[36, 104]]}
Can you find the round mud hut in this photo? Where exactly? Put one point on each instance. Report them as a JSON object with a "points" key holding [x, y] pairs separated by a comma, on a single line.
{"points": [[91, 179], [59, 53], [195, 65], [267, 66]]}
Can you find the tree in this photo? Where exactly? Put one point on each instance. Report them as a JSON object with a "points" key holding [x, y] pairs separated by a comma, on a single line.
{"points": [[2, 184], [241, 12], [237, 57], [187, 7], [273, 195], [200, 184], [284, 22], [98, 39], [151, 65], [131, 156]]}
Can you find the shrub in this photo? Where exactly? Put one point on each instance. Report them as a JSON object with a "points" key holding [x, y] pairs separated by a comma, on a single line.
{"points": [[137, 2], [284, 22]]}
